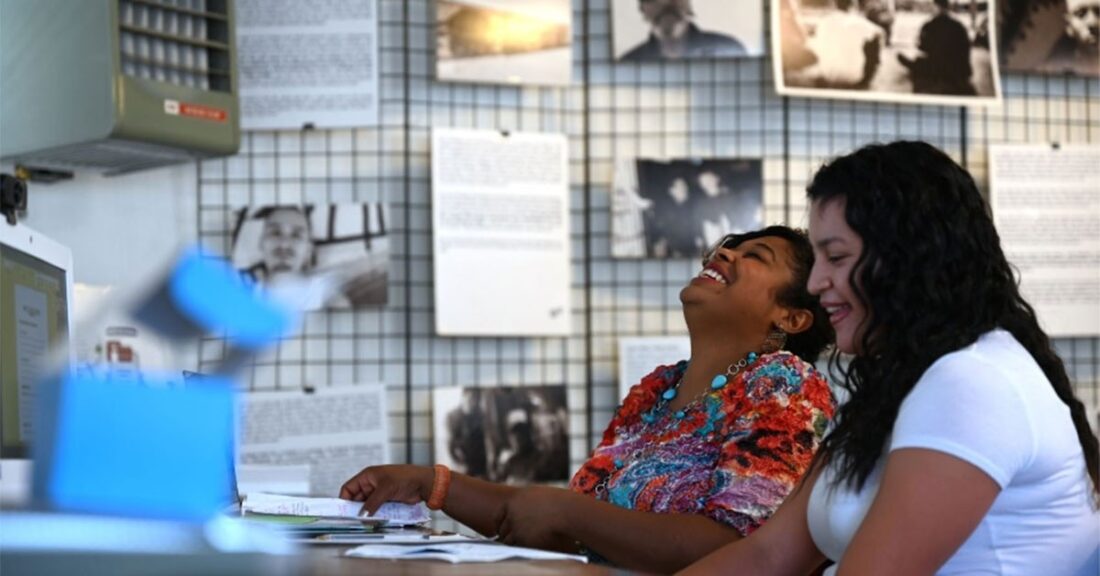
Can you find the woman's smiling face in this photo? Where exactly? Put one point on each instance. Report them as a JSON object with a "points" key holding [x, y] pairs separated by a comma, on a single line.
{"points": [[837, 248]]}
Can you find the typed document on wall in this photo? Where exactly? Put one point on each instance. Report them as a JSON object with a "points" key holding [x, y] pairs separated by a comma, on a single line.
{"points": [[641, 355], [327, 435], [1046, 204], [500, 217], [307, 63]]}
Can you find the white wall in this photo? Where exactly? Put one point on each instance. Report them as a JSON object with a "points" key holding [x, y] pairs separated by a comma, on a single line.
{"points": [[120, 228], [124, 231]]}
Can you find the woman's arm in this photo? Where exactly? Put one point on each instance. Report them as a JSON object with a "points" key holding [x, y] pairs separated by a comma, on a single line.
{"points": [[927, 506], [558, 519], [473, 502], [781, 546], [648, 541]]}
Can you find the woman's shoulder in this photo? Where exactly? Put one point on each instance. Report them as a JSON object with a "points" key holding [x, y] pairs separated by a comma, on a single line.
{"points": [[783, 373], [996, 359], [643, 395]]}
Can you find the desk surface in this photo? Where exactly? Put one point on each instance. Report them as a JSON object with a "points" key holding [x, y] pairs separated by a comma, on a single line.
{"points": [[329, 561]]}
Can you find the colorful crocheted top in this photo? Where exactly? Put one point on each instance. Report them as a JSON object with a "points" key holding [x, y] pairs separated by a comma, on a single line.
{"points": [[732, 454]]}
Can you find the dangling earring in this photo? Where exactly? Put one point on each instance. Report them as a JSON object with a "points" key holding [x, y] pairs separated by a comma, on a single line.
{"points": [[775, 341]]}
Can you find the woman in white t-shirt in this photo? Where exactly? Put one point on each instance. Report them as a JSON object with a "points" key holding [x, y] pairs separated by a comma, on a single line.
{"points": [[962, 449]]}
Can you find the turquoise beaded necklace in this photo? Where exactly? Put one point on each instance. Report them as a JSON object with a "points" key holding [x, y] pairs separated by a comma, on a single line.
{"points": [[716, 383]]}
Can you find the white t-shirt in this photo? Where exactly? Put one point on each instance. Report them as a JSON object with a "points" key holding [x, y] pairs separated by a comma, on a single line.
{"points": [[991, 405], [838, 41]]}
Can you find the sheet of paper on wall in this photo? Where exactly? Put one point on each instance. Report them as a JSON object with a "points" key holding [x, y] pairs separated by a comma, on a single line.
{"points": [[305, 63], [500, 217], [278, 479], [639, 356], [336, 431], [458, 552], [390, 513], [1047, 211]]}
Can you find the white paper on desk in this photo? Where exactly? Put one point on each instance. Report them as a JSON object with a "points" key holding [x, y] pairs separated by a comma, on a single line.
{"points": [[1047, 211], [336, 431], [458, 552], [376, 539], [500, 222], [639, 356], [391, 512], [307, 63]]}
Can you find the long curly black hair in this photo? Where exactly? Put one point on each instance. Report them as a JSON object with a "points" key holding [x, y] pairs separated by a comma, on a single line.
{"points": [[933, 278]]}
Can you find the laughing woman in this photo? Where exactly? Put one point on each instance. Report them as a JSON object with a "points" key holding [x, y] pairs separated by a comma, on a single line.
{"points": [[700, 453], [961, 449]]}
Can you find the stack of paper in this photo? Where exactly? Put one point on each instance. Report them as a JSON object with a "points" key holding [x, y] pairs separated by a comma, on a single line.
{"points": [[390, 514], [458, 552], [415, 537]]}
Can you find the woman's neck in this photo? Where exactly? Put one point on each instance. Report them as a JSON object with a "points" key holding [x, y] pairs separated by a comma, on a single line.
{"points": [[709, 359]]}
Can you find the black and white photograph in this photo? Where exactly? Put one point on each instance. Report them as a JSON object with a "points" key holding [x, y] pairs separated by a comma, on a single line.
{"points": [[679, 208], [504, 41], [656, 30], [1050, 36], [916, 51], [315, 256], [516, 435]]}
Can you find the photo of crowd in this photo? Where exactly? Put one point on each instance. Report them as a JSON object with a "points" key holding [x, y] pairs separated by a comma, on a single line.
{"points": [[920, 51], [678, 208], [516, 435]]}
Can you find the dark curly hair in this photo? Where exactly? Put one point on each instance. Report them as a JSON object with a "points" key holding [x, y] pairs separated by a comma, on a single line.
{"points": [[933, 278], [809, 343]]}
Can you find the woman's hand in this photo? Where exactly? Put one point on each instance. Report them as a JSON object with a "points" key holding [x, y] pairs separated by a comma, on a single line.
{"points": [[537, 517], [376, 485]]}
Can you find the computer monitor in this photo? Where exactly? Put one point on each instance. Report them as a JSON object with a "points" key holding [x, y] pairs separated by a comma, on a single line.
{"points": [[35, 330]]}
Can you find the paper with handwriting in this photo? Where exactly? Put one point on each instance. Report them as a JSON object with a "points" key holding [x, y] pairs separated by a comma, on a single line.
{"points": [[390, 513]]}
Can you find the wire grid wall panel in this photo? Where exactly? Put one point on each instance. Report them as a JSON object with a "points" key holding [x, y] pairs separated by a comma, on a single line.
{"points": [[441, 362], [613, 111], [342, 347], [663, 110], [1055, 110]]}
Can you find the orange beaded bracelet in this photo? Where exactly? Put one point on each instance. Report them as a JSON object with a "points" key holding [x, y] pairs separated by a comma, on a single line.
{"points": [[440, 484]]}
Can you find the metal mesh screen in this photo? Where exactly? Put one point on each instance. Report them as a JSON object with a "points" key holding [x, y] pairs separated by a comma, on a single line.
{"points": [[612, 111]]}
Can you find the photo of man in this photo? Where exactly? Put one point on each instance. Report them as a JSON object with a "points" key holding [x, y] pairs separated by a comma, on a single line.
{"points": [[315, 256], [655, 30], [915, 51], [1051, 36], [286, 244], [938, 69]]}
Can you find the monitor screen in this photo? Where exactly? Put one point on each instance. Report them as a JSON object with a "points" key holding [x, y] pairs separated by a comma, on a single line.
{"points": [[34, 321]]}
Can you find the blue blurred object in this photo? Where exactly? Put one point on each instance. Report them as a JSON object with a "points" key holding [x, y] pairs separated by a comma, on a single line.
{"points": [[118, 449], [211, 294]]}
